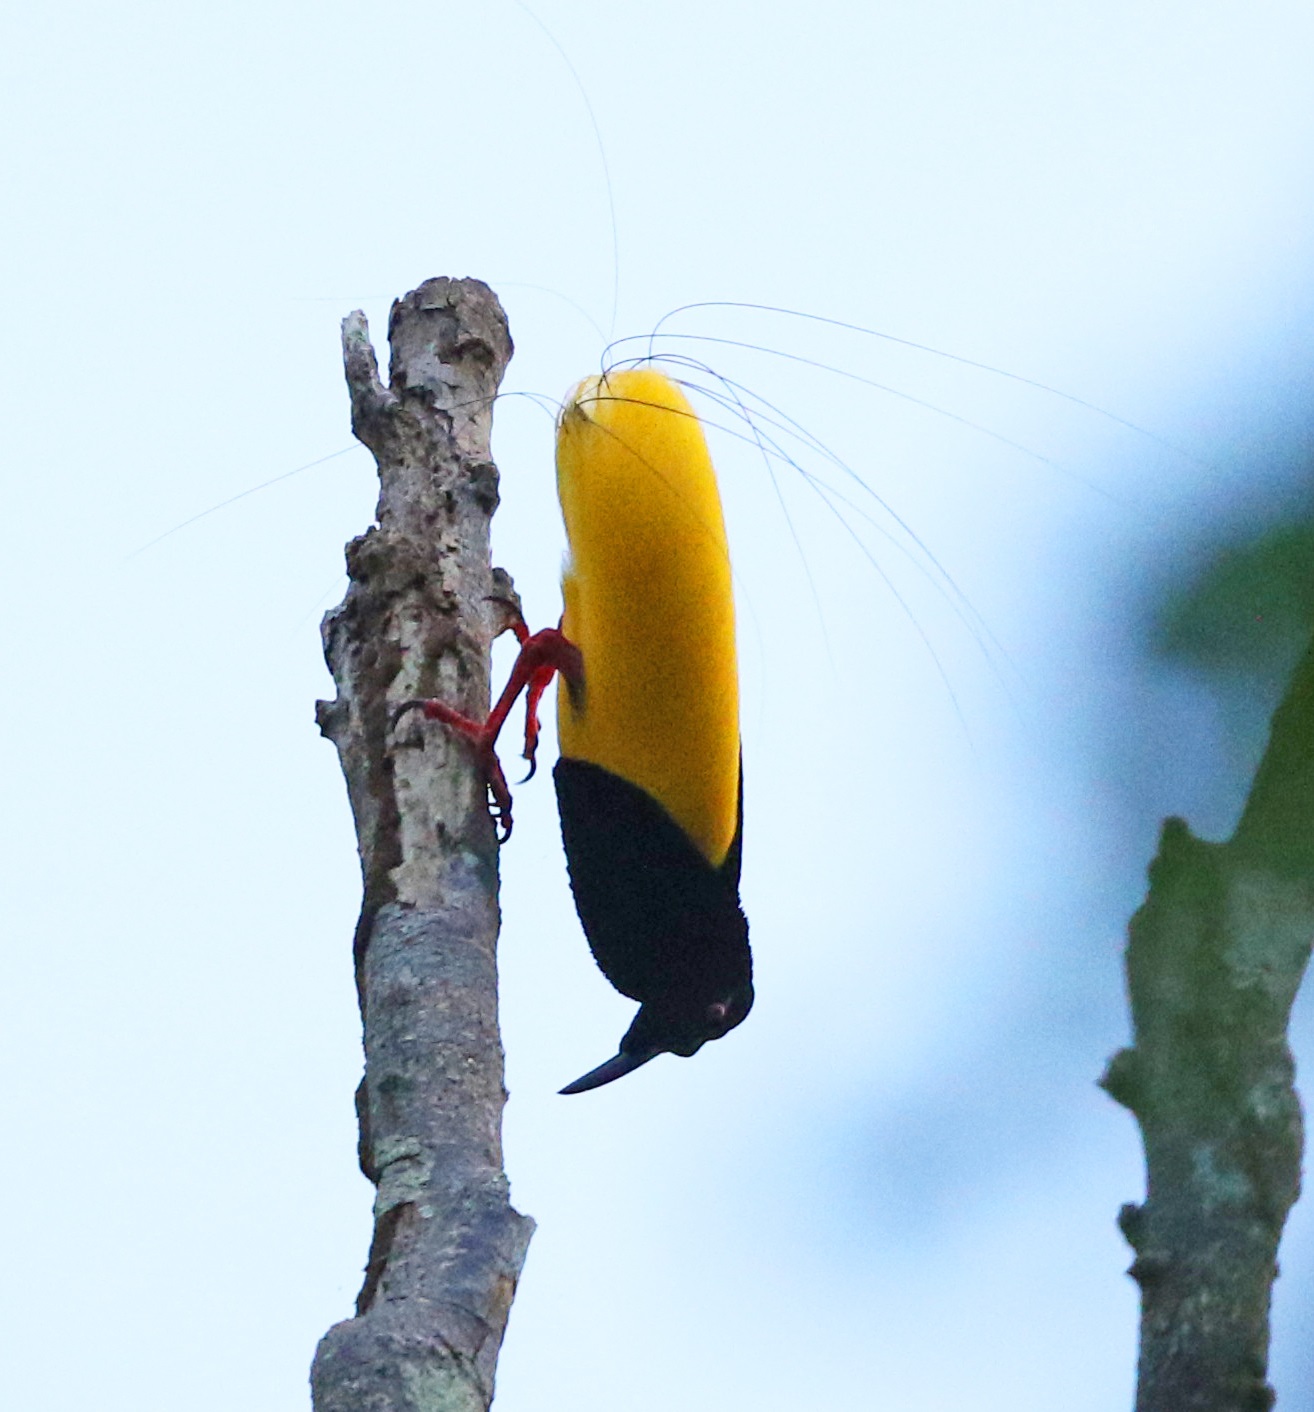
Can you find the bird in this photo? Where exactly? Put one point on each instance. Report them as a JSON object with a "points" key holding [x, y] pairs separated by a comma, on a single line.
{"points": [[649, 775]]}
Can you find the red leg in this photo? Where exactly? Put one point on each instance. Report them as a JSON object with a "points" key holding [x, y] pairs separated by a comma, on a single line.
{"points": [[538, 684], [542, 655]]}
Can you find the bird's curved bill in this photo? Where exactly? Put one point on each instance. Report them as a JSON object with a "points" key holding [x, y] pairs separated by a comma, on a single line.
{"points": [[615, 1068]]}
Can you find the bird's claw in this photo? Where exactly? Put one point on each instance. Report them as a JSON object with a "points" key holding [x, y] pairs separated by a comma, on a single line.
{"points": [[416, 704], [501, 820], [499, 796]]}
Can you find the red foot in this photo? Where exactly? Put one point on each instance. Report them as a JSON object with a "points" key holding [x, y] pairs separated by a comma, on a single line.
{"points": [[542, 655]]}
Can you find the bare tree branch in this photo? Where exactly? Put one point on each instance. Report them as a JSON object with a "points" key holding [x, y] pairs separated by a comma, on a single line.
{"points": [[418, 620], [1214, 959]]}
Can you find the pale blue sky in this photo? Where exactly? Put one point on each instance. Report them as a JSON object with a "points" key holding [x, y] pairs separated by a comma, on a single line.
{"points": [[895, 1186]]}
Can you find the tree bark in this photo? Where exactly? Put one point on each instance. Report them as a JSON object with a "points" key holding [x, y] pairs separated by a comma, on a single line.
{"points": [[1214, 959], [419, 618]]}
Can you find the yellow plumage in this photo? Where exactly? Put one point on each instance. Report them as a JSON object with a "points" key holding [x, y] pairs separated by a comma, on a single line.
{"points": [[648, 602]]}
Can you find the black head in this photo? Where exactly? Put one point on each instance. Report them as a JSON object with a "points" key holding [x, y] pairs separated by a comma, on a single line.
{"points": [[670, 1028]]}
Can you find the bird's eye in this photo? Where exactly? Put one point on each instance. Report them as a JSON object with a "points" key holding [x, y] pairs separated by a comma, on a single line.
{"points": [[716, 1013]]}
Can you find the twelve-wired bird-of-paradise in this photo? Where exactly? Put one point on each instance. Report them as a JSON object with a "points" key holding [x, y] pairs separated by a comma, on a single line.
{"points": [[649, 781]]}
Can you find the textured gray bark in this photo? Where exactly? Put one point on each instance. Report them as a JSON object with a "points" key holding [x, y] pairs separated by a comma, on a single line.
{"points": [[1214, 959], [419, 618]]}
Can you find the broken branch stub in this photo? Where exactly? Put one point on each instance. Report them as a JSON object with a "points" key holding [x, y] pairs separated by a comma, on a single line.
{"points": [[419, 618]]}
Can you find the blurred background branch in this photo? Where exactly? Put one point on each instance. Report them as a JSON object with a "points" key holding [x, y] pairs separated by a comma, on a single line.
{"points": [[1214, 960]]}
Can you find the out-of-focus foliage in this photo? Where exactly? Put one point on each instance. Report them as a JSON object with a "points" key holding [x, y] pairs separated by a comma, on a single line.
{"points": [[1234, 608], [1248, 609]]}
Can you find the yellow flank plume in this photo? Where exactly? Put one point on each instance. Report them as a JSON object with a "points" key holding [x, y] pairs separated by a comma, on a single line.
{"points": [[648, 601]]}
